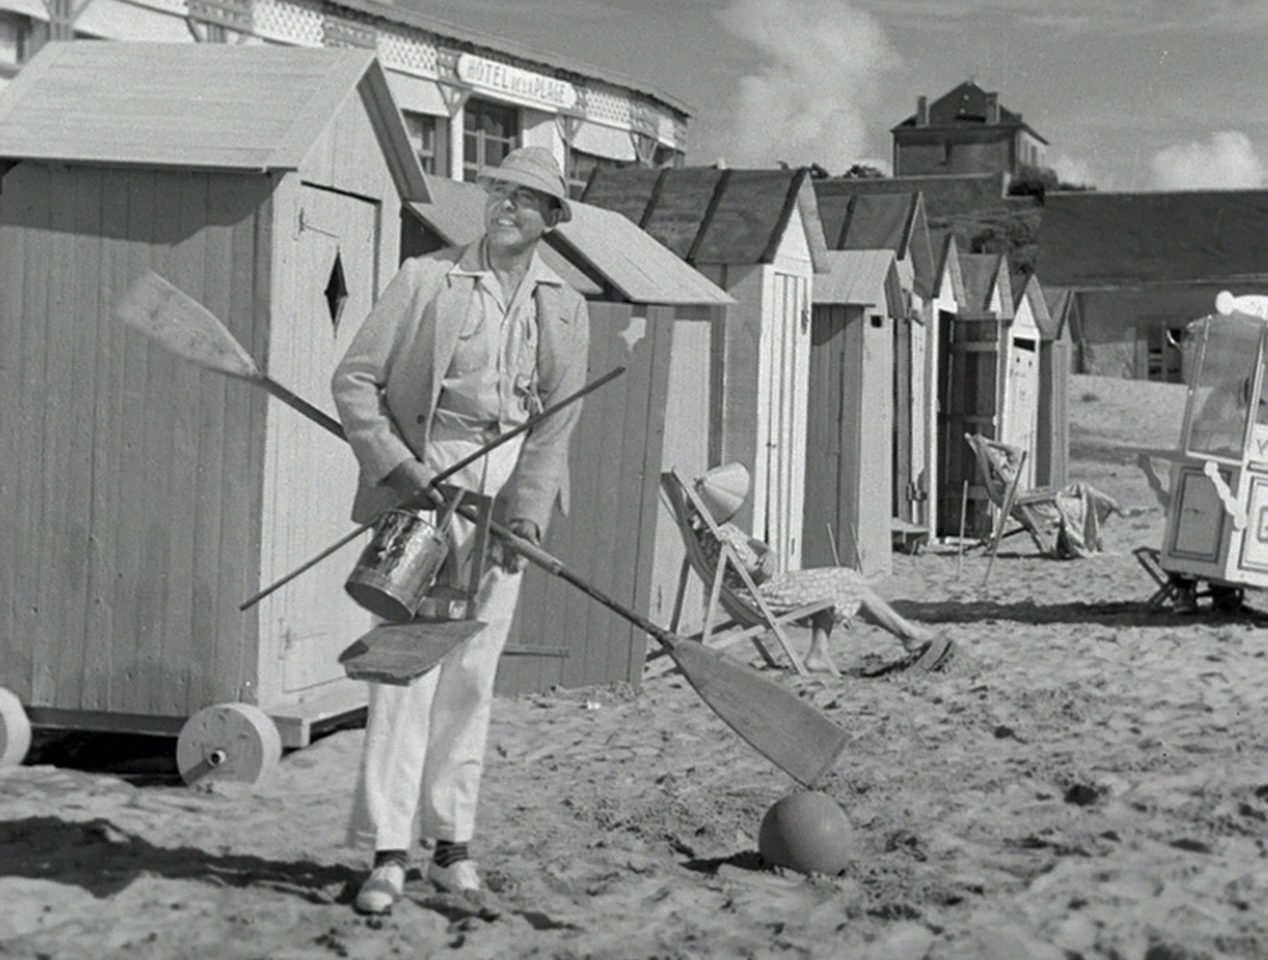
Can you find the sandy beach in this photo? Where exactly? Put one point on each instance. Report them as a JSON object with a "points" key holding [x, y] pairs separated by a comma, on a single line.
{"points": [[1083, 780]]}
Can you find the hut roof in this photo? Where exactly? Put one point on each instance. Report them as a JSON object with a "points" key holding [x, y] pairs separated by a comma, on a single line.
{"points": [[594, 244], [1106, 240], [945, 195], [706, 215], [855, 219], [983, 272], [861, 278], [1026, 286], [255, 107]]}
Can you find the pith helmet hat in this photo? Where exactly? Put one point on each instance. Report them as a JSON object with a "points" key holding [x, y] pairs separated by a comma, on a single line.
{"points": [[723, 490], [534, 167]]}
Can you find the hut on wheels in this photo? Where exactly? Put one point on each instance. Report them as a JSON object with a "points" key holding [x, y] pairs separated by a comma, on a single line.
{"points": [[756, 234], [656, 316], [144, 499]]}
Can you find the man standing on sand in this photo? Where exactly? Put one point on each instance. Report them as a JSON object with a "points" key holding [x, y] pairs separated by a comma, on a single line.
{"points": [[463, 344]]}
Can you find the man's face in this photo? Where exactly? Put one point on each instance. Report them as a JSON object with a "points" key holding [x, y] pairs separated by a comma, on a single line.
{"points": [[516, 217]]}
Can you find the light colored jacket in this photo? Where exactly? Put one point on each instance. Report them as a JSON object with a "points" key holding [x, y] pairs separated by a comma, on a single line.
{"points": [[386, 386]]}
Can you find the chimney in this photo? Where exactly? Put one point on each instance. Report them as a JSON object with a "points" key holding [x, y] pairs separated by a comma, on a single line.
{"points": [[922, 111], [992, 108]]}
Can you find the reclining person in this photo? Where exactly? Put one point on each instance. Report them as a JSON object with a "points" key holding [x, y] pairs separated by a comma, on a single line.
{"points": [[723, 491]]}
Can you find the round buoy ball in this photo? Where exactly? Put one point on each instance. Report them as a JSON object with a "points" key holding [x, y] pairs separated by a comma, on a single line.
{"points": [[807, 832]]}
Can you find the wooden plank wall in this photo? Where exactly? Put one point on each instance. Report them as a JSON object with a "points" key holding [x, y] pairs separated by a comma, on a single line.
{"points": [[608, 537], [131, 501], [848, 456], [1052, 466]]}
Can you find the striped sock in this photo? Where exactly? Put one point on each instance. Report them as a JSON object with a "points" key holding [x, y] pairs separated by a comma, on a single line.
{"points": [[447, 853]]}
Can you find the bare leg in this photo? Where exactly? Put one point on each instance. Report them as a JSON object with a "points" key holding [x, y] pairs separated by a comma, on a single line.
{"points": [[912, 635], [818, 658]]}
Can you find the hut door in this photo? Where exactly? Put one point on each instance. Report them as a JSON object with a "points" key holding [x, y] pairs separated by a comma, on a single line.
{"points": [[902, 491], [1021, 404], [314, 475], [780, 480], [968, 384]]}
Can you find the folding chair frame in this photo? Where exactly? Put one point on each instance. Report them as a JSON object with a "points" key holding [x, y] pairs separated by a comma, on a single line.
{"points": [[754, 621]]}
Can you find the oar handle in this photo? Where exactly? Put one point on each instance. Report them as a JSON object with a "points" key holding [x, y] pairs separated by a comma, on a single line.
{"points": [[554, 566], [318, 416], [321, 419]]}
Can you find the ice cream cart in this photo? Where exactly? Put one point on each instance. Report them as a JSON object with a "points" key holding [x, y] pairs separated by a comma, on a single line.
{"points": [[1217, 508]]}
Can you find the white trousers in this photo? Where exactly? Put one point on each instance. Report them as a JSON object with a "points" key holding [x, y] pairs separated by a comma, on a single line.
{"points": [[424, 743]]}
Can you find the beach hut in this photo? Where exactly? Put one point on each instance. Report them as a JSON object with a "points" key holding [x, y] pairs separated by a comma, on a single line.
{"points": [[849, 456], [857, 220], [144, 499], [655, 315], [756, 234], [1052, 415], [991, 385]]}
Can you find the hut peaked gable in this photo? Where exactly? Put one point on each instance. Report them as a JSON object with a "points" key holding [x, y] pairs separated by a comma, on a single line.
{"points": [[253, 107], [854, 218], [707, 215]]}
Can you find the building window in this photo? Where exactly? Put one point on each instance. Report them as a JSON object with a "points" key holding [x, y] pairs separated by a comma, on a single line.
{"points": [[581, 165], [13, 42], [489, 132], [669, 157], [430, 138]]}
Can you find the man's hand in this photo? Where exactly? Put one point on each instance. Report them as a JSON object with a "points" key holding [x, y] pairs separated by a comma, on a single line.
{"points": [[506, 555], [411, 480]]}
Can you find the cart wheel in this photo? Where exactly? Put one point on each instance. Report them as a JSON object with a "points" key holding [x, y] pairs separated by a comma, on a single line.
{"points": [[15, 729], [228, 741]]}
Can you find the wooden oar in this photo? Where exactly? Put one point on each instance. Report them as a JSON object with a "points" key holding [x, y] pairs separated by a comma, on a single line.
{"points": [[773, 720], [188, 329]]}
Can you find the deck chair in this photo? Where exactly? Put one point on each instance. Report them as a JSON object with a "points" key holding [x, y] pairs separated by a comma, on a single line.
{"points": [[747, 615], [999, 464], [1063, 522]]}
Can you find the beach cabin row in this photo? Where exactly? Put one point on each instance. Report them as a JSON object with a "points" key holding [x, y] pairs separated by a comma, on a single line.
{"points": [[147, 498]]}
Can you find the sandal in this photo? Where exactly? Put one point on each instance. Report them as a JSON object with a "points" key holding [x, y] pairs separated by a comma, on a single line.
{"points": [[933, 655]]}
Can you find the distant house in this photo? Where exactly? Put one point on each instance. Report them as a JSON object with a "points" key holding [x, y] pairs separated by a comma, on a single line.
{"points": [[757, 235], [964, 131], [1129, 271]]}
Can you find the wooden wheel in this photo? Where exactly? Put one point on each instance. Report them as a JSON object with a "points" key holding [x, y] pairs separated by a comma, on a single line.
{"points": [[228, 741], [15, 729]]}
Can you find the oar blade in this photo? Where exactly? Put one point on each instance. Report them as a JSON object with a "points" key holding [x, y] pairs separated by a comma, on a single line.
{"points": [[184, 326], [773, 720]]}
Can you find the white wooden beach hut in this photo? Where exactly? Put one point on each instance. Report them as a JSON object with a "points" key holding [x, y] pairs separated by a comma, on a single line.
{"points": [[756, 234], [143, 498], [849, 456]]}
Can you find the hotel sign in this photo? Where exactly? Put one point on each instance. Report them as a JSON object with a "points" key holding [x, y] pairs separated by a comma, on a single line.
{"points": [[516, 84]]}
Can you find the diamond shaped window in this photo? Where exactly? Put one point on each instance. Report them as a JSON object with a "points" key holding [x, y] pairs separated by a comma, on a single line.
{"points": [[336, 291]]}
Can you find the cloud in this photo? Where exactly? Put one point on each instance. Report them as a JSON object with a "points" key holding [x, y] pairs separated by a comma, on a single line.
{"points": [[812, 92], [1074, 170], [1227, 161]]}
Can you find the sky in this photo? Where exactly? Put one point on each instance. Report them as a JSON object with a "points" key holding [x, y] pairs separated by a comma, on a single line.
{"points": [[1131, 95]]}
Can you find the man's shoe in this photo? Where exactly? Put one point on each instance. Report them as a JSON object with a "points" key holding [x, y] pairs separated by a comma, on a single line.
{"points": [[382, 889], [459, 877]]}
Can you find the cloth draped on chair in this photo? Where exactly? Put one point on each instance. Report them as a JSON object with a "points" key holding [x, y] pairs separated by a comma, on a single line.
{"points": [[1065, 523]]}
